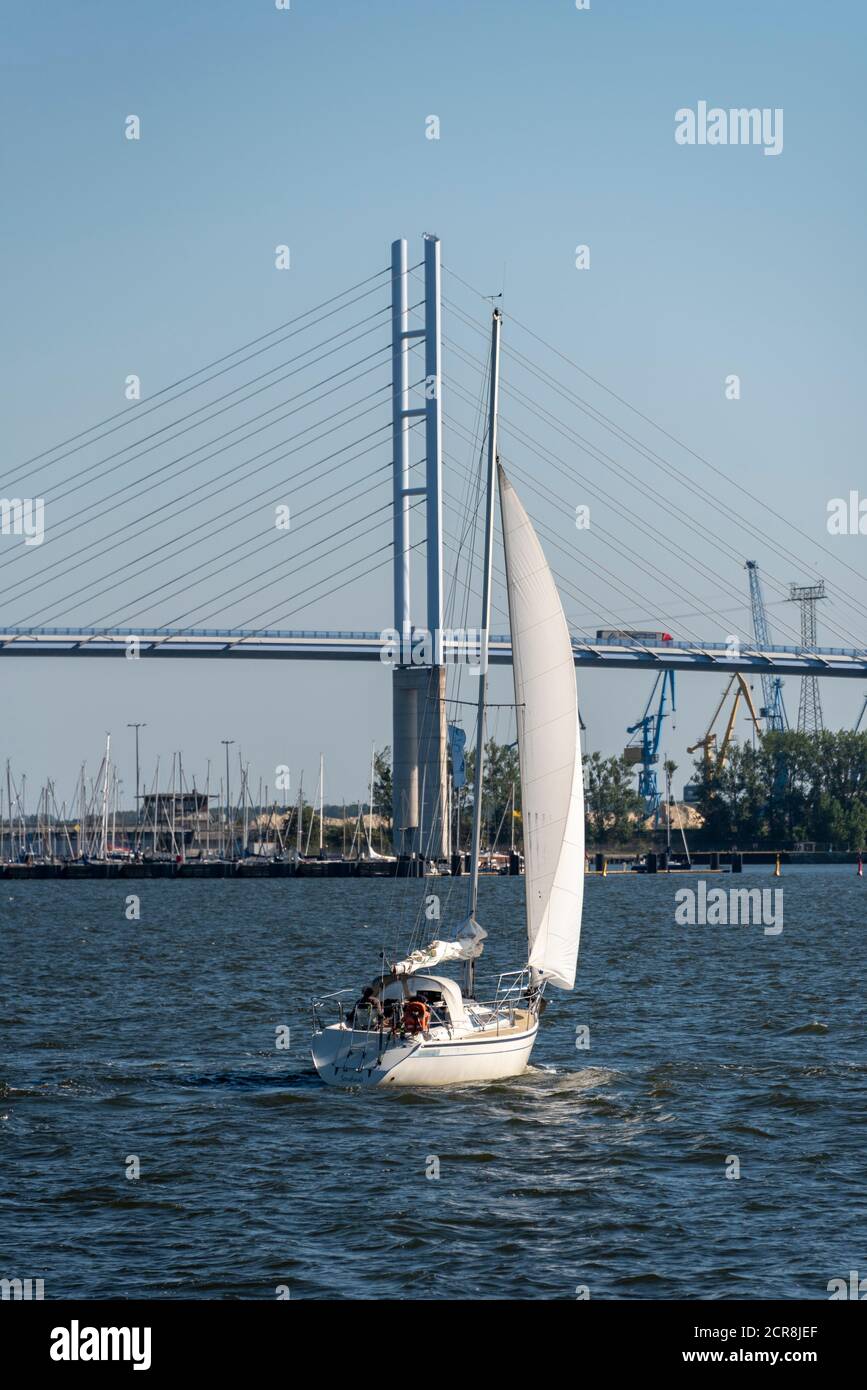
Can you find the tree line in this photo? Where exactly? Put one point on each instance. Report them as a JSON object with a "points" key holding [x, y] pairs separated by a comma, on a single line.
{"points": [[789, 788]]}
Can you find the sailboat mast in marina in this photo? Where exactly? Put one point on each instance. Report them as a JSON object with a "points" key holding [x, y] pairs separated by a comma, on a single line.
{"points": [[416, 1026]]}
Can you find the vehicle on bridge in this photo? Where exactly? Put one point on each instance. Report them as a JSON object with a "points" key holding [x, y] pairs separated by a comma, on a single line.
{"points": [[617, 634]]}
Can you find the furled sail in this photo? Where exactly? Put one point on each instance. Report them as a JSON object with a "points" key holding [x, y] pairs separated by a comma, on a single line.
{"points": [[467, 945], [549, 747]]}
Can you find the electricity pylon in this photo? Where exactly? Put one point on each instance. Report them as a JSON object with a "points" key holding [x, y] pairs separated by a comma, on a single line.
{"points": [[810, 705]]}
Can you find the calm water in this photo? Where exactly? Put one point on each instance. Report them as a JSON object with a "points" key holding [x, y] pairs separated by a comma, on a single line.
{"points": [[603, 1168]]}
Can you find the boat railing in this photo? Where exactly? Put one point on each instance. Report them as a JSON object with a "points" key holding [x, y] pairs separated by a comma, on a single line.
{"points": [[327, 1003], [333, 1005], [513, 984], [511, 996], [512, 991]]}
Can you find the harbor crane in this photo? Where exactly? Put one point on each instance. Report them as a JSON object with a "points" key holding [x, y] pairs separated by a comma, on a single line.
{"points": [[714, 759], [773, 709], [646, 755]]}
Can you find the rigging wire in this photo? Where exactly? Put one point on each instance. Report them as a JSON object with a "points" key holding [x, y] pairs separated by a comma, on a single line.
{"points": [[211, 531], [653, 457], [208, 484], [83, 480], [715, 541], [100, 505], [673, 438], [81, 475], [130, 416], [612, 540], [324, 541]]}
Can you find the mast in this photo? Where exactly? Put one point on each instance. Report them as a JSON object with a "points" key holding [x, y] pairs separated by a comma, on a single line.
{"points": [[156, 803], [183, 847], [230, 843], [174, 803], [321, 802], [208, 811], [105, 796], [473, 891]]}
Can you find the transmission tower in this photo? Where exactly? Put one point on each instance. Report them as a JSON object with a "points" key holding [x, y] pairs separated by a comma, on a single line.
{"points": [[773, 709], [810, 706]]}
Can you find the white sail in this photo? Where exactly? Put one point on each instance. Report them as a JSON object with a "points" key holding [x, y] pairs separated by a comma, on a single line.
{"points": [[549, 746]]}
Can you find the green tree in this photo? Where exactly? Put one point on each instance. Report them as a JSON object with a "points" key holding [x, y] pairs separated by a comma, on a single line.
{"points": [[382, 784], [612, 804], [502, 773], [793, 787]]}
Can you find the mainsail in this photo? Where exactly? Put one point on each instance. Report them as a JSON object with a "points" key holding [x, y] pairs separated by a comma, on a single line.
{"points": [[467, 945], [549, 747]]}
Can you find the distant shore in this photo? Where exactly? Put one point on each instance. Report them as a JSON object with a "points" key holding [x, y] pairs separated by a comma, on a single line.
{"points": [[253, 867]]}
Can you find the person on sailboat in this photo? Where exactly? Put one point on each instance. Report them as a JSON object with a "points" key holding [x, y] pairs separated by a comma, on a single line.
{"points": [[416, 1015], [368, 1007]]}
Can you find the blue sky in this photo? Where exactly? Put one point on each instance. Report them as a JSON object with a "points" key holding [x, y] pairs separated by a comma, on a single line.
{"points": [[307, 127]]}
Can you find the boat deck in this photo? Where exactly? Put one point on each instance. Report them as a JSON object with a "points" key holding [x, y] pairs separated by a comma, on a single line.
{"points": [[501, 1029]]}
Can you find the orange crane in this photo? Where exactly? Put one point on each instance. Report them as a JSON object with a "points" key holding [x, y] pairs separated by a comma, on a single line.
{"points": [[714, 760]]}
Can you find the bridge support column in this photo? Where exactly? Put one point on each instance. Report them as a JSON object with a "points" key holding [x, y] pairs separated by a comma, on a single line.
{"points": [[404, 761], [432, 734], [419, 764], [419, 714]]}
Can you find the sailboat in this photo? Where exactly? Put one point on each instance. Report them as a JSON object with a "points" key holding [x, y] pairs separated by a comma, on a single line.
{"points": [[416, 1026]]}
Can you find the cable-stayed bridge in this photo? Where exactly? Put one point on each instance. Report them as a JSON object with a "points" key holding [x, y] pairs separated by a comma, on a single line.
{"points": [[591, 653], [352, 478]]}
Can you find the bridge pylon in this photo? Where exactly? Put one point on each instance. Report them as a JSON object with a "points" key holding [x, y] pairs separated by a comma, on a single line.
{"points": [[419, 764]]}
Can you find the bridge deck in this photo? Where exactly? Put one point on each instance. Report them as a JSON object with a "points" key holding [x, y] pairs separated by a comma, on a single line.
{"points": [[590, 652]]}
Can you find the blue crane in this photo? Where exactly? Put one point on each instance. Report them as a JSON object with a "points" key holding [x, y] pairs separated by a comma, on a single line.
{"points": [[773, 709], [650, 728]]}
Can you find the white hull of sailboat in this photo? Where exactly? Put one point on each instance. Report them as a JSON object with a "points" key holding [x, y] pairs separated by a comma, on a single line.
{"points": [[345, 1057]]}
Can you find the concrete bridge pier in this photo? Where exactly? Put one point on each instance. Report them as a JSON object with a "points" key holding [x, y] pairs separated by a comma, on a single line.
{"points": [[419, 763]]}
